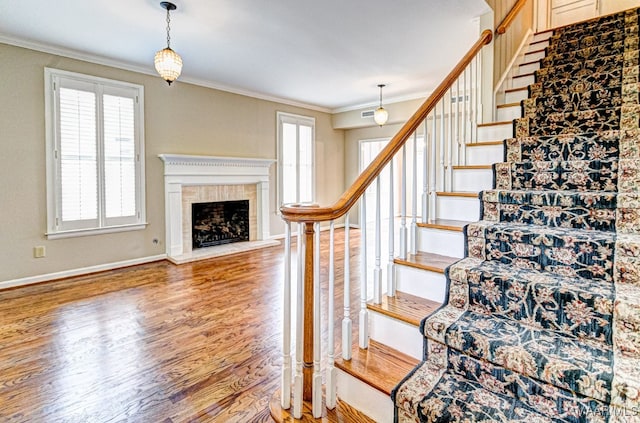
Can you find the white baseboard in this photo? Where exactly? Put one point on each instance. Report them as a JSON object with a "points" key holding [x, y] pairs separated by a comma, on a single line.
{"points": [[77, 272]]}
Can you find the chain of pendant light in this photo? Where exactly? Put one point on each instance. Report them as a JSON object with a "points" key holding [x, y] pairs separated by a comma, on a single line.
{"points": [[168, 27]]}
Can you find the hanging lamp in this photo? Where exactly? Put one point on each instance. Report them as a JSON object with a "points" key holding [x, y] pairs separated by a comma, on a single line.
{"points": [[381, 115], [168, 63]]}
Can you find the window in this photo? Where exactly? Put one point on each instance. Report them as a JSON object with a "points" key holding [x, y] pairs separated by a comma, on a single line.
{"points": [[95, 152], [296, 161]]}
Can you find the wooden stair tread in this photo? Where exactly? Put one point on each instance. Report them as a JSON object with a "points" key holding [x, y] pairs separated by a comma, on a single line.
{"points": [[472, 167], [543, 32], [343, 413], [380, 366], [405, 307], [506, 122], [465, 194], [538, 42], [427, 261], [513, 90], [502, 106], [523, 75], [484, 143], [533, 62], [446, 224], [535, 51]]}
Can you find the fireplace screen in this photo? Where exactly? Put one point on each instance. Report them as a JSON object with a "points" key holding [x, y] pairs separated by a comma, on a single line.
{"points": [[219, 223]]}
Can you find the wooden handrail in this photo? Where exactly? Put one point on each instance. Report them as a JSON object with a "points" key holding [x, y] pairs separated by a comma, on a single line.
{"points": [[297, 213], [502, 28]]}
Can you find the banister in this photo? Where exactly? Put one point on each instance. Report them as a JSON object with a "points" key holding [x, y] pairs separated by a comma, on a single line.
{"points": [[297, 213], [502, 28]]}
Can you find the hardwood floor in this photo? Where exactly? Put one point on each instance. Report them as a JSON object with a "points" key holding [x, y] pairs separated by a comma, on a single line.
{"points": [[199, 342]]}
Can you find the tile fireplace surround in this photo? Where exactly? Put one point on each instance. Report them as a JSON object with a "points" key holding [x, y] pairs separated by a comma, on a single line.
{"points": [[193, 179]]}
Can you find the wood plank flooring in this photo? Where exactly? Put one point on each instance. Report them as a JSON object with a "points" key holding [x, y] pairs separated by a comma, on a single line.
{"points": [[199, 342]]}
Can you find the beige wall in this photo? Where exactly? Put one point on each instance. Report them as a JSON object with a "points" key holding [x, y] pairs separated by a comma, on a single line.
{"points": [[183, 118], [399, 112]]}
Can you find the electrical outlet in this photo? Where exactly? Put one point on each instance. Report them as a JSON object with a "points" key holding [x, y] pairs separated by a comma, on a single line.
{"points": [[39, 251]]}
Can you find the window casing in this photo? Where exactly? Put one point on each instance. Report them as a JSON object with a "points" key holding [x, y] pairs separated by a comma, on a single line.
{"points": [[296, 159], [95, 155]]}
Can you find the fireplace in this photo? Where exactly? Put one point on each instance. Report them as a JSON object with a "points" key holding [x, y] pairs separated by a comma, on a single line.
{"points": [[202, 179], [219, 222]]}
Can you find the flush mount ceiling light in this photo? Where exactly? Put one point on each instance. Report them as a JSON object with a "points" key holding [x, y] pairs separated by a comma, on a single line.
{"points": [[168, 62], [380, 116]]}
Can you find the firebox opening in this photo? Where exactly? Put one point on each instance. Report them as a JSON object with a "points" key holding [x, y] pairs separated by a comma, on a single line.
{"points": [[219, 223]]}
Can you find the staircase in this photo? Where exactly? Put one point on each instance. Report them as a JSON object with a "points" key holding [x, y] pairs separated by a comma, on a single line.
{"points": [[541, 318], [524, 258]]}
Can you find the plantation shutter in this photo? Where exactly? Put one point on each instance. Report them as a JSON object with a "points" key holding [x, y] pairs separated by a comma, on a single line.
{"points": [[97, 155], [119, 158], [78, 153]]}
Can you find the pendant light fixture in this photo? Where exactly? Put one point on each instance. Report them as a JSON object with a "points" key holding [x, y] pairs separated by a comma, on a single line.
{"points": [[381, 115], [168, 62]]}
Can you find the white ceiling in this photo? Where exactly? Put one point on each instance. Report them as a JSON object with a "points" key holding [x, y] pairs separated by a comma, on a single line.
{"points": [[330, 54]]}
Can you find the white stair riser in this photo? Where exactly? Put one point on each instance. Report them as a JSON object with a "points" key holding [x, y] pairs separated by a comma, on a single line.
{"points": [[421, 283], [535, 46], [375, 404], [495, 132], [530, 57], [523, 81], [508, 113], [485, 154], [515, 96], [458, 208], [542, 36], [528, 68], [472, 179], [438, 241], [398, 335]]}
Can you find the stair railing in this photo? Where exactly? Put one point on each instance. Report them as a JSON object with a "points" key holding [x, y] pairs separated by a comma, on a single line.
{"points": [[510, 17], [440, 128]]}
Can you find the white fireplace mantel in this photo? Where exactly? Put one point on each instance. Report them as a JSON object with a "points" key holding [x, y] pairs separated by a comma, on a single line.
{"points": [[187, 170]]}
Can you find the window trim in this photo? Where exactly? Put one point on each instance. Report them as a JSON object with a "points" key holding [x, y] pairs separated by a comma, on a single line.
{"points": [[283, 117], [54, 231]]}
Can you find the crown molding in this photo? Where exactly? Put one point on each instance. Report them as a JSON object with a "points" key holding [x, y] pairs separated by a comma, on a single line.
{"points": [[386, 102], [104, 61]]}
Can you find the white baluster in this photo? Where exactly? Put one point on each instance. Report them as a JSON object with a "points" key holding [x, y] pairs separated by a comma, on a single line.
{"points": [[285, 382], [403, 206], [457, 159], [317, 328], [346, 319], [478, 86], [331, 370], [414, 197], [433, 166], [363, 333], [449, 148], [391, 274], [472, 105], [443, 146], [297, 384], [425, 169], [377, 271], [465, 123]]}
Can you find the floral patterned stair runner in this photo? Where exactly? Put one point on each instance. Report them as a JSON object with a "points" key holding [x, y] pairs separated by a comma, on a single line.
{"points": [[542, 318]]}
